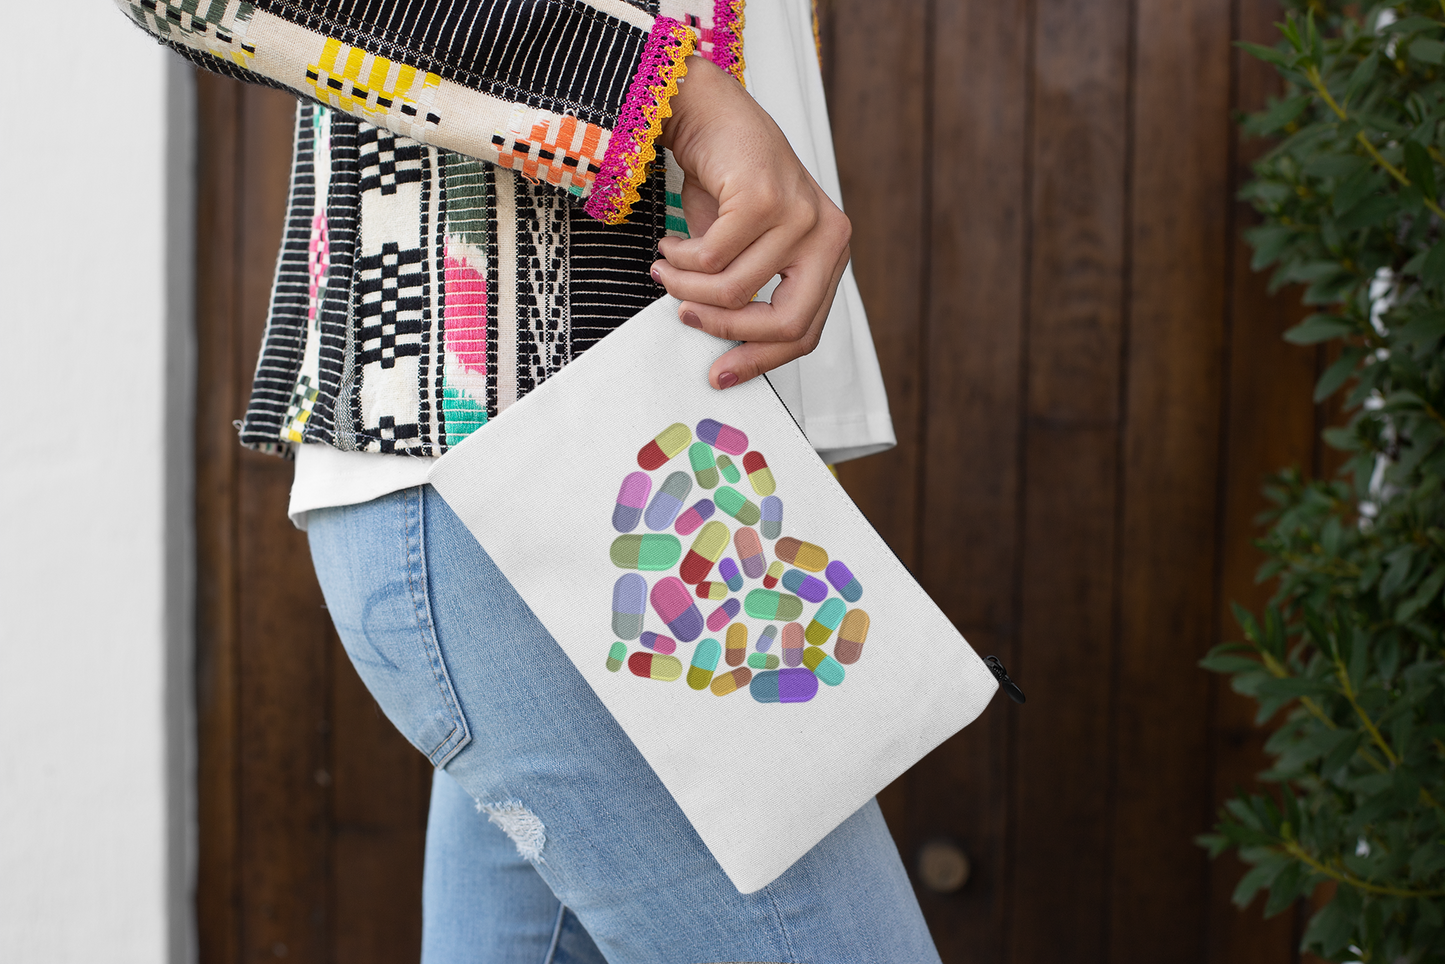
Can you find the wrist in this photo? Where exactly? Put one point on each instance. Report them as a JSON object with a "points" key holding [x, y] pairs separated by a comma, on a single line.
{"points": [[689, 102]]}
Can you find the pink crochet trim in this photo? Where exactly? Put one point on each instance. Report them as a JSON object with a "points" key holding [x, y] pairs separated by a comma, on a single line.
{"points": [[639, 123], [727, 36]]}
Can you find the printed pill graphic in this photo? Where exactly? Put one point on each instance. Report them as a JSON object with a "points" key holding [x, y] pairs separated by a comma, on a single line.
{"points": [[630, 500], [658, 644], [737, 505], [772, 517], [737, 644], [825, 667], [706, 549], [770, 604], [700, 512], [805, 586], [629, 603], [650, 553], [704, 466], [763, 661], [729, 571], [765, 638], [722, 615], [667, 503], [804, 555], [728, 470], [852, 634], [674, 604], [844, 581], [750, 550], [731, 682], [615, 656], [784, 686], [774, 573], [664, 669], [712, 590], [759, 475], [825, 620], [670, 441], [793, 644], [704, 661], [725, 438]]}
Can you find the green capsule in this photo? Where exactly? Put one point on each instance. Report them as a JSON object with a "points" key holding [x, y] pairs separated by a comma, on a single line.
{"points": [[703, 466], [616, 656], [729, 471], [651, 552], [737, 505], [772, 605], [758, 661]]}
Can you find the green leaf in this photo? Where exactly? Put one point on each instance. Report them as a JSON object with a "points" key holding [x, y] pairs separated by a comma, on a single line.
{"points": [[1259, 876], [1332, 928], [1362, 74], [1426, 594], [1343, 439], [1418, 166], [1267, 54], [1371, 211], [1412, 25], [1230, 664], [1318, 328], [1338, 373], [1423, 331], [1274, 117], [1432, 271], [1429, 51]]}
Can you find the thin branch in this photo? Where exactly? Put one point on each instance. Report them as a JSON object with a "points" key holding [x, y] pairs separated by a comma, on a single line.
{"points": [[1345, 877]]}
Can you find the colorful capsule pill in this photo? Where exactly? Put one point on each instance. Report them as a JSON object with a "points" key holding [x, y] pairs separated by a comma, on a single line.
{"points": [[615, 656], [630, 500], [722, 615], [658, 644], [650, 552], [759, 475], [793, 644], [784, 686], [804, 555], [667, 503], [774, 573], [852, 634], [825, 620], [750, 550], [722, 437], [805, 586], [737, 505], [669, 442], [706, 549], [704, 661], [664, 669], [700, 512], [629, 603], [770, 604], [728, 470], [765, 638], [844, 581], [825, 667], [674, 604], [704, 466], [729, 571], [732, 682], [737, 644], [763, 661], [712, 590], [772, 517]]}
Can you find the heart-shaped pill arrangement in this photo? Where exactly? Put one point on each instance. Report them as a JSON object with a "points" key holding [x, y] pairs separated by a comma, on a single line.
{"points": [[708, 576]]}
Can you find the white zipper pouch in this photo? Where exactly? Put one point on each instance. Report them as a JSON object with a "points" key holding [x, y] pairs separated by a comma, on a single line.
{"points": [[753, 635]]}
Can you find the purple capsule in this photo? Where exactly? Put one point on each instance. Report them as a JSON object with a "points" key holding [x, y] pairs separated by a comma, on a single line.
{"points": [[630, 500], [844, 581], [729, 571], [693, 518], [723, 615], [804, 586], [784, 686]]}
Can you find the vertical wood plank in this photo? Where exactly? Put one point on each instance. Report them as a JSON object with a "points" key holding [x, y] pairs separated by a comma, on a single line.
{"points": [[1072, 371], [1269, 424], [1178, 268], [967, 545]]}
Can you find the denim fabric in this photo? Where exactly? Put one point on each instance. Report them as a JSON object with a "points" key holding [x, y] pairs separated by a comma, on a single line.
{"points": [[434, 629]]}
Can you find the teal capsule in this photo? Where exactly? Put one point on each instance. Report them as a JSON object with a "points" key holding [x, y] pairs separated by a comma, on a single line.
{"points": [[704, 660], [652, 552], [737, 505], [825, 667], [825, 620], [703, 466], [763, 661], [770, 604], [729, 471], [615, 656]]}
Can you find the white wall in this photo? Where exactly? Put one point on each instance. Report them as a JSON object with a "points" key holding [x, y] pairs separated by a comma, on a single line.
{"points": [[95, 625]]}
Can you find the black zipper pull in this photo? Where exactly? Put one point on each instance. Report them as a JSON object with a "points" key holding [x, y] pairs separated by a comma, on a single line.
{"points": [[1001, 674]]}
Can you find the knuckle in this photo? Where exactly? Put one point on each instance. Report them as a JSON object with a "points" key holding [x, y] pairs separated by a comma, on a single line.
{"points": [[796, 330], [734, 294], [711, 261]]}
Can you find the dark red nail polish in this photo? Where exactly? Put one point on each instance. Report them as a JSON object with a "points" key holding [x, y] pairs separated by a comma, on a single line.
{"points": [[691, 319], [727, 380], [656, 274]]}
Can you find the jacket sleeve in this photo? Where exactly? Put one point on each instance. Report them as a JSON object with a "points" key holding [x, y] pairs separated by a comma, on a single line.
{"points": [[572, 92]]}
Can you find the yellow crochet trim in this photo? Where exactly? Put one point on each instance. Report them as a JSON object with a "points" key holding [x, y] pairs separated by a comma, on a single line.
{"points": [[644, 152], [739, 64]]}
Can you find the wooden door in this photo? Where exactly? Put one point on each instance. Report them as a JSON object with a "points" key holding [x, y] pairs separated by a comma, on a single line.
{"points": [[1088, 385]]}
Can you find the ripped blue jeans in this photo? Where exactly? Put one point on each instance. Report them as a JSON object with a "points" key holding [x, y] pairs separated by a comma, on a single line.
{"points": [[550, 838]]}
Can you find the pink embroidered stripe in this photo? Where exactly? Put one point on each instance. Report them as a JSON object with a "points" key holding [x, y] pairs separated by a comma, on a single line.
{"points": [[727, 36]]}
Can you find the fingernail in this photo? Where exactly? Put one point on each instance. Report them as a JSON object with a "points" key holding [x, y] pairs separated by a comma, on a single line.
{"points": [[692, 321], [656, 274], [727, 380]]}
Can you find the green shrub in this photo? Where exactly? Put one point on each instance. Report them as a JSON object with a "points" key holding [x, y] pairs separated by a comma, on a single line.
{"points": [[1348, 653]]}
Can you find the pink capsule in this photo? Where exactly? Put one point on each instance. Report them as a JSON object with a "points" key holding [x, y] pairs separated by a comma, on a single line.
{"points": [[674, 604], [722, 437], [722, 615], [688, 522], [750, 551], [630, 501], [658, 644]]}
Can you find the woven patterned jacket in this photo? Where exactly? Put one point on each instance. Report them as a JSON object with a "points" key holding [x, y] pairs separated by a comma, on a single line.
{"points": [[475, 195]]}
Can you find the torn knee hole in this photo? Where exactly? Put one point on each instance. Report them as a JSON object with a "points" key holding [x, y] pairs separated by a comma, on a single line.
{"points": [[520, 824]]}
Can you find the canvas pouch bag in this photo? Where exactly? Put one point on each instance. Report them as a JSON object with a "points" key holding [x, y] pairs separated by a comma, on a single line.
{"points": [[814, 671]]}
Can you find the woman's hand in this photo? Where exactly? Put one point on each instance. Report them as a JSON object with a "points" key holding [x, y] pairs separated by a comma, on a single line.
{"points": [[754, 212]]}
